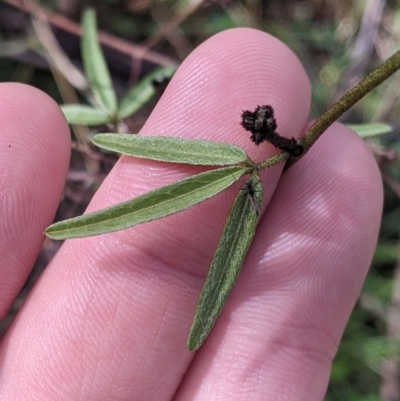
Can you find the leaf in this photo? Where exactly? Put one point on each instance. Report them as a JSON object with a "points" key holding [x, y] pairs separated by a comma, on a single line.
{"points": [[228, 259], [95, 64], [172, 150], [84, 115], [150, 206], [369, 130], [143, 91]]}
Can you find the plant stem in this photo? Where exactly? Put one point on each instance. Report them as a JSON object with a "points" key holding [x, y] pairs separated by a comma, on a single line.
{"points": [[280, 157], [366, 85]]}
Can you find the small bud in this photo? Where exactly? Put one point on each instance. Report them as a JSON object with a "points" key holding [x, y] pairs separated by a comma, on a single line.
{"points": [[262, 125]]}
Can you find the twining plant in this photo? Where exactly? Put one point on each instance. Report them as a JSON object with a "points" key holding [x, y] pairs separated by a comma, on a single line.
{"points": [[233, 163], [105, 108]]}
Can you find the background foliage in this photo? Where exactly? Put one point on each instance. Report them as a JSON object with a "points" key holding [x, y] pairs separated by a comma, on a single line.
{"points": [[338, 42]]}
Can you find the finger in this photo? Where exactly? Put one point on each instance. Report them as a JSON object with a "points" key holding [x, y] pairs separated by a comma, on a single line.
{"points": [[34, 158], [114, 311], [277, 337]]}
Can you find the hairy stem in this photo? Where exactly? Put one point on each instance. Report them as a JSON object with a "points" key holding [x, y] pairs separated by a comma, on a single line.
{"points": [[366, 85]]}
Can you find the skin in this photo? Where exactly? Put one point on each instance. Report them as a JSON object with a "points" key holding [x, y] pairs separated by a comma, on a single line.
{"points": [[110, 315]]}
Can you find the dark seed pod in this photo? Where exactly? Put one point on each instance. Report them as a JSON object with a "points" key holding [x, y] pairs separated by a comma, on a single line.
{"points": [[262, 125]]}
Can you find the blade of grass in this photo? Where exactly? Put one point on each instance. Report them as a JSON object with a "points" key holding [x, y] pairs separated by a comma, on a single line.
{"points": [[95, 64], [172, 150], [228, 259], [150, 206]]}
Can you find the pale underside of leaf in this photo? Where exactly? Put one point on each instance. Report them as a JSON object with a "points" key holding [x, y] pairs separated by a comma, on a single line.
{"points": [[95, 65], [228, 259], [371, 129], [173, 150], [84, 115], [150, 206]]}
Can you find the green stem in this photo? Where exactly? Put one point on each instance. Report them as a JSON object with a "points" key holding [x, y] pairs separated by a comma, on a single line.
{"points": [[366, 85], [280, 157]]}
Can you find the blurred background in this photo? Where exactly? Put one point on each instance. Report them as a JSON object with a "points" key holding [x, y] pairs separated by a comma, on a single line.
{"points": [[338, 42]]}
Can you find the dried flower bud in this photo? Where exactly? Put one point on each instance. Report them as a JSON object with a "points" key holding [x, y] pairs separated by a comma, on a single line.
{"points": [[262, 125]]}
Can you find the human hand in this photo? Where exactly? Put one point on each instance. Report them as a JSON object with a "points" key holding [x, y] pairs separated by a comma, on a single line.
{"points": [[110, 315]]}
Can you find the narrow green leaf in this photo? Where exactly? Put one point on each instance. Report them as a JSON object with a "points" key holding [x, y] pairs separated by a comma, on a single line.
{"points": [[369, 130], [228, 259], [172, 150], [95, 64], [84, 115], [150, 206], [143, 91]]}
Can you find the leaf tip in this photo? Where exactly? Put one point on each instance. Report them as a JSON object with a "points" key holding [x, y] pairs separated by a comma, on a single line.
{"points": [[199, 331], [193, 342], [48, 232]]}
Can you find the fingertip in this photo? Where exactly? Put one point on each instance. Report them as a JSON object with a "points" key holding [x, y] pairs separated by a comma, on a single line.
{"points": [[34, 158], [332, 201]]}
